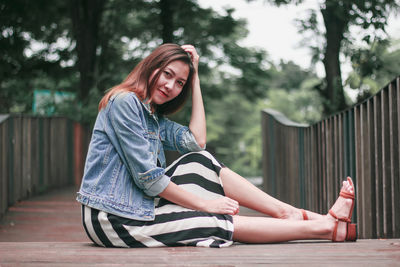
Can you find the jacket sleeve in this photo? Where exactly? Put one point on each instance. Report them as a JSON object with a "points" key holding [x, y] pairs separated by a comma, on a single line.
{"points": [[177, 137], [133, 145]]}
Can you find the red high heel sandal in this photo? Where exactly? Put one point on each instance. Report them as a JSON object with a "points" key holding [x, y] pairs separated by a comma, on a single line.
{"points": [[351, 231]]}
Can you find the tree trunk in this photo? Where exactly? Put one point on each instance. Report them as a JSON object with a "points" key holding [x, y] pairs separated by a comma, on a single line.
{"points": [[86, 16], [336, 23], [167, 21]]}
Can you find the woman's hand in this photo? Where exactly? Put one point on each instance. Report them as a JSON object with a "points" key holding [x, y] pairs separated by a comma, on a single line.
{"points": [[223, 205], [177, 195], [191, 50]]}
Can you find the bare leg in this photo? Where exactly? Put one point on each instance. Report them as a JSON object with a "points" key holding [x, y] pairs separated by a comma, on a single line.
{"points": [[248, 195], [271, 230]]}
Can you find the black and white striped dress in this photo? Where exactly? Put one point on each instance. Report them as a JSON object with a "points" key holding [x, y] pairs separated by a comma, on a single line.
{"points": [[174, 225]]}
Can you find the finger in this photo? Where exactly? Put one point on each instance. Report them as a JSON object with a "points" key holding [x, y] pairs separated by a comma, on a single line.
{"points": [[236, 211], [233, 201], [187, 46], [190, 49]]}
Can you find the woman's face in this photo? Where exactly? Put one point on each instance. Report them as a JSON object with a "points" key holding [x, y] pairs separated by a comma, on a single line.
{"points": [[171, 82]]}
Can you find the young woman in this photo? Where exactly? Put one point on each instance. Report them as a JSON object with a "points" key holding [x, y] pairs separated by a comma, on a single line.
{"points": [[131, 199]]}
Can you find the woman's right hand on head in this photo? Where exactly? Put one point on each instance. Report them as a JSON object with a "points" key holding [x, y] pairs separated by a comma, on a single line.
{"points": [[223, 205], [194, 56]]}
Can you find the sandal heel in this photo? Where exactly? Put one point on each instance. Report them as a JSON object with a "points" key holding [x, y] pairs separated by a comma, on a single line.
{"points": [[351, 232]]}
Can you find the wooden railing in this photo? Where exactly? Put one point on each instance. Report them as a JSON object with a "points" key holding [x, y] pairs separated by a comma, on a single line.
{"points": [[37, 154], [304, 165]]}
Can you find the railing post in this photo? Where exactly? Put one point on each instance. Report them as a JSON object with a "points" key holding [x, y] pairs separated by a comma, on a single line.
{"points": [[78, 153]]}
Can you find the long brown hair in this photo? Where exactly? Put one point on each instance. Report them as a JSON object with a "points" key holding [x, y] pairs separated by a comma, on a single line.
{"points": [[138, 81]]}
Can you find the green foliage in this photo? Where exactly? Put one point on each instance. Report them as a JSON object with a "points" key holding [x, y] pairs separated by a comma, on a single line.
{"points": [[303, 105], [77, 111], [374, 66], [234, 132], [35, 50]]}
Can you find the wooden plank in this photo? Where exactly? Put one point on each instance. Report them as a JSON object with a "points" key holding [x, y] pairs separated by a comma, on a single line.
{"points": [[26, 157], [340, 168], [316, 169], [46, 154], [367, 203], [70, 154], [370, 163], [280, 177], [336, 171], [269, 170], [53, 153], [17, 153], [328, 162], [309, 172], [62, 172], [322, 164], [386, 179], [396, 185], [393, 153], [318, 166], [265, 158], [359, 170], [34, 155], [41, 152], [378, 164], [292, 175], [324, 167], [54, 148], [352, 146], [4, 164], [301, 168]]}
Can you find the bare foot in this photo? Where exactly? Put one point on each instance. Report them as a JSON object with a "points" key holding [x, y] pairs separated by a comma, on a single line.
{"points": [[341, 208]]}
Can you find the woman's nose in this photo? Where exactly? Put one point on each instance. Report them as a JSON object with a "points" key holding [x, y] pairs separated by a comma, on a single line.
{"points": [[169, 84]]}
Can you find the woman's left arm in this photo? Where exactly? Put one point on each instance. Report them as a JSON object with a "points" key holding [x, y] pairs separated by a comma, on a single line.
{"points": [[197, 123]]}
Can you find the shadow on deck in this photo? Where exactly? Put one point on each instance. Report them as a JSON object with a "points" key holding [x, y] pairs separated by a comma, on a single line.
{"points": [[47, 230]]}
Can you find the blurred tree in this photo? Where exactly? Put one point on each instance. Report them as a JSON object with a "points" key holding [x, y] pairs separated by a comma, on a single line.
{"points": [[254, 77], [86, 16], [374, 67], [289, 76], [167, 20], [293, 93], [34, 47], [303, 105], [338, 16]]}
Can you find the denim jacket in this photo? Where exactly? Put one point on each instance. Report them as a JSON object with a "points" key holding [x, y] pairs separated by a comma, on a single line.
{"points": [[121, 174]]}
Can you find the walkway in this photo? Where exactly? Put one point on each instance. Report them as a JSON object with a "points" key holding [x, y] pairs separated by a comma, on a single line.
{"points": [[46, 231]]}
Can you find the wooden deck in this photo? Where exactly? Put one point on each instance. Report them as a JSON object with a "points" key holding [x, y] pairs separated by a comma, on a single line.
{"points": [[46, 231]]}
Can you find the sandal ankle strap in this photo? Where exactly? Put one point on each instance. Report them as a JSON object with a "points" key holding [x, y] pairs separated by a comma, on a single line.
{"points": [[305, 217], [346, 195], [342, 219]]}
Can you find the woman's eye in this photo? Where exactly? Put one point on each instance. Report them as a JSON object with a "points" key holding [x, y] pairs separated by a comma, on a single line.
{"points": [[167, 73], [181, 84]]}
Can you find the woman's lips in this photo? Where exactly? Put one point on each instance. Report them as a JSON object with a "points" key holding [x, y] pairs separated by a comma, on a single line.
{"points": [[163, 93]]}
